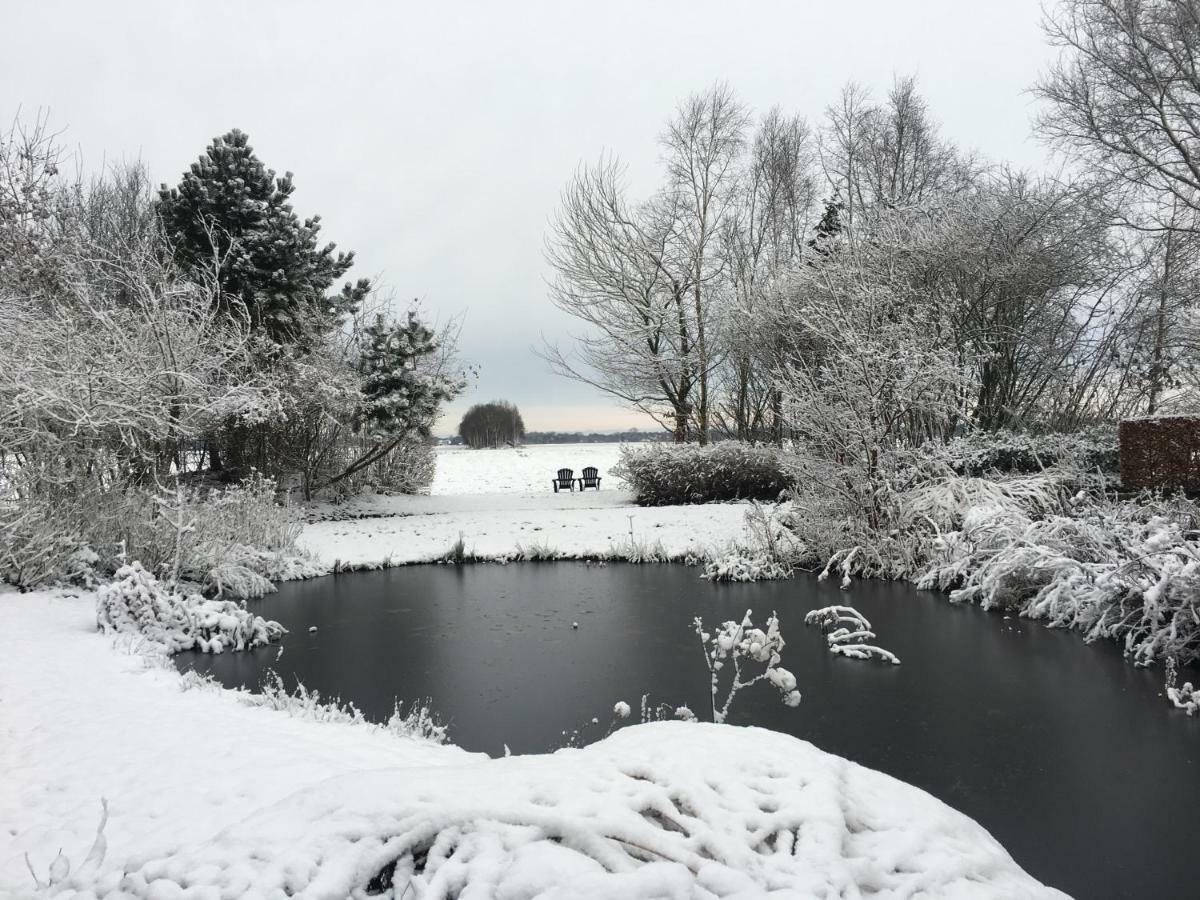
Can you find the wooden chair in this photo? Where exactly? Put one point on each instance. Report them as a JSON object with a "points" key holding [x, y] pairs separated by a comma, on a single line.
{"points": [[590, 479], [565, 479]]}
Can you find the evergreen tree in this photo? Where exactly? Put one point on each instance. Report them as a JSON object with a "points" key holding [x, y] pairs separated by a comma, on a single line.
{"points": [[230, 215], [402, 385], [829, 228]]}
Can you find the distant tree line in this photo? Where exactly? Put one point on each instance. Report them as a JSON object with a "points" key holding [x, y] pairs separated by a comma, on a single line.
{"points": [[494, 424], [594, 437]]}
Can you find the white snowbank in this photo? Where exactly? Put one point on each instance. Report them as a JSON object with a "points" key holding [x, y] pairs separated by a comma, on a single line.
{"points": [[80, 721]]}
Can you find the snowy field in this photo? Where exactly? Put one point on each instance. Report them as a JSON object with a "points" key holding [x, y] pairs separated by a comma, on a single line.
{"points": [[461, 470], [502, 505]]}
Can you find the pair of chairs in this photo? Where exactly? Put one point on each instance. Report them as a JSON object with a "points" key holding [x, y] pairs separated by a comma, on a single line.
{"points": [[566, 479]]}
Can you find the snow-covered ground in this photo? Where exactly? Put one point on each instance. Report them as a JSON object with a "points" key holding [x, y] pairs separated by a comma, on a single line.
{"points": [[502, 504], [461, 470], [209, 797]]}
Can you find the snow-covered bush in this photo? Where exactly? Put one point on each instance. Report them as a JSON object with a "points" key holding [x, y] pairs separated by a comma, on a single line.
{"points": [[770, 553], [662, 474], [739, 644], [1124, 570], [741, 564], [233, 542], [138, 603], [983, 452]]}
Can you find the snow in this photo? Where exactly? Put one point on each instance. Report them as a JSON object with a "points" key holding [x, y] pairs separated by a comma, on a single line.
{"points": [[210, 797], [528, 469], [517, 513]]}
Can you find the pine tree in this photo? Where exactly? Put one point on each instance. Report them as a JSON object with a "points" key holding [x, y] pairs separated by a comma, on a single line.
{"points": [[829, 228], [232, 217], [402, 389]]}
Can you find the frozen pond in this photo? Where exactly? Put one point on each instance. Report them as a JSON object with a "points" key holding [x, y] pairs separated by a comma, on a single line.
{"points": [[1063, 751]]}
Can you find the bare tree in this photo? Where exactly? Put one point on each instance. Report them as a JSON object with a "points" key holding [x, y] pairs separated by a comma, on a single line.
{"points": [[763, 238], [703, 143], [649, 280], [1125, 98], [614, 274], [879, 156]]}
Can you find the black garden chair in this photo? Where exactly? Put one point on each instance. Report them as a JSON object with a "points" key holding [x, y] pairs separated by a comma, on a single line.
{"points": [[565, 479], [590, 479]]}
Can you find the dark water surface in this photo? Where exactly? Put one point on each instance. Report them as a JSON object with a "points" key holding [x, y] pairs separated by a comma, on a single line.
{"points": [[1066, 753]]}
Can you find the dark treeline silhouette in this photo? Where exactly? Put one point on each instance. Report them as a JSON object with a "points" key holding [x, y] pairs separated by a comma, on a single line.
{"points": [[492, 424], [594, 437]]}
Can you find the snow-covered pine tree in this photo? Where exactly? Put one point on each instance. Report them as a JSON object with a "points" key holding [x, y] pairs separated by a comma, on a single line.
{"points": [[230, 216], [402, 392], [828, 229]]}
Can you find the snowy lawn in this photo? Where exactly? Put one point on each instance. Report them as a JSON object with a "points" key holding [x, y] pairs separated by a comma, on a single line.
{"points": [[461, 470], [501, 503], [209, 797]]}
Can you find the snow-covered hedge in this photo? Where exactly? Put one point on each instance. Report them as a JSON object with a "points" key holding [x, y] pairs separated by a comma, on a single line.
{"points": [[663, 474], [983, 452], [138, 603]]}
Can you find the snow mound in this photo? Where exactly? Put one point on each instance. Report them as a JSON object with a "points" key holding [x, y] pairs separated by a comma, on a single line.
{"points": [[664, 809]]}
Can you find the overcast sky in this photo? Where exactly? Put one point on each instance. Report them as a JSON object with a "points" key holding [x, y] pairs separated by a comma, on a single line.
{"points": [[434, 138]]}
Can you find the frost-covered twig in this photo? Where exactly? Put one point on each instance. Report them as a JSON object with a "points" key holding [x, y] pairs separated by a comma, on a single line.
{"points": [[739, 642], [1184, 696], [848, 641]]}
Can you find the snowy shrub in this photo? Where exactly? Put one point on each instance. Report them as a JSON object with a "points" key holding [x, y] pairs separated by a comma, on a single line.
{"points": [[739, 564], [408, 468], [847, 632], [1124, 570], [137, 603], [770, 554], [739, 644], [987, 452], [235, 542], [912, 507], [663, 474], [640, 550], [415, 722]]}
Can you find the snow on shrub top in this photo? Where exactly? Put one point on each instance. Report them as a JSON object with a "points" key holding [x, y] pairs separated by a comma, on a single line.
{"points": [[730, 470], [137, 603]]}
